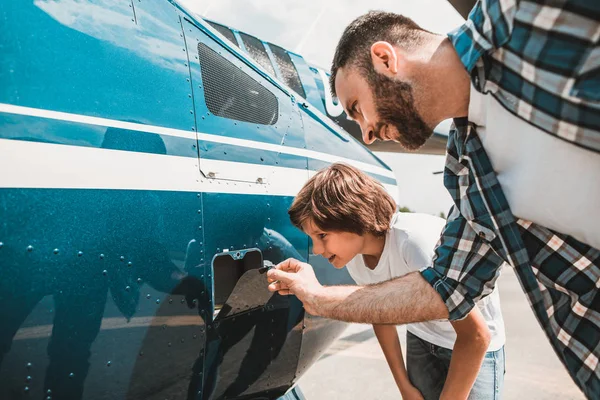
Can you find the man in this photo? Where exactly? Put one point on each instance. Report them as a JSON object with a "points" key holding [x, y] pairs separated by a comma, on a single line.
{"points": [[522, 82]]}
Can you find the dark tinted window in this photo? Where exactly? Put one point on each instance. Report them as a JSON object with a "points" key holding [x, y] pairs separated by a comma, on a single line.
{"points": [[257, 52], [288, 69], [223, 30], [231, 93]]}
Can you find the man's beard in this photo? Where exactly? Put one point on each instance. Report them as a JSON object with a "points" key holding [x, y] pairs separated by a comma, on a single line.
{"points": [[396, 107]]}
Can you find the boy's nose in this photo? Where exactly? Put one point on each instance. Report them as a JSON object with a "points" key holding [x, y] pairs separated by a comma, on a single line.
{"points": [[317, 249]]}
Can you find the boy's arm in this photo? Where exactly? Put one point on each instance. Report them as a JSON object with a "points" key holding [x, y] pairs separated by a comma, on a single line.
{"points": [[472, 341], [388, 340]]}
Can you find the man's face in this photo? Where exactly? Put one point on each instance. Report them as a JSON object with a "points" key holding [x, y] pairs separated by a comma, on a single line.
{"points": [[337, 247], [383, 107]]}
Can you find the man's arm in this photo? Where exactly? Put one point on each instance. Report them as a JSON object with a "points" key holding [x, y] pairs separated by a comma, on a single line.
{"points": [[472, 341], [399, 301], [387, 336]]}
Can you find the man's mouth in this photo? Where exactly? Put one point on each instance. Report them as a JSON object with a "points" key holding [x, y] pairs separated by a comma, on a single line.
{"points": [[330, 259]]}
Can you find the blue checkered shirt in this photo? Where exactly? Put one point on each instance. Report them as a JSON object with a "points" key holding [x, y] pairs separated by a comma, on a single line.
{"points": [[542, 63]]}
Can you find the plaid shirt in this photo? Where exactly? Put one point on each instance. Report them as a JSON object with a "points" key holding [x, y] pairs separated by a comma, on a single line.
{"points": [[542, 63]]}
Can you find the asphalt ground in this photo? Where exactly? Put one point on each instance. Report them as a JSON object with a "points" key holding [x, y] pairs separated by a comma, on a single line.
{"points": [[354, 366]]}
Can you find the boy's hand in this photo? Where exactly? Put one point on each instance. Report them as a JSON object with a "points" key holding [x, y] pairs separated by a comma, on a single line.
{"points": [[410, 392], [297, 278]]}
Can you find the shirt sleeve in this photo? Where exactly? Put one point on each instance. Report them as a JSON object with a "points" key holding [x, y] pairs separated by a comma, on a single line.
{"points": [[465, 268], [489, 27]]}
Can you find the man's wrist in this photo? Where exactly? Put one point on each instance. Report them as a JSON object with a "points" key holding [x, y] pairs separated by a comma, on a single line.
{"points": [[316, 301]]}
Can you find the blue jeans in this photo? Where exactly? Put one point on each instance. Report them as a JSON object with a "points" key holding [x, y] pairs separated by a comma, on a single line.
{"points": [[427, 366]]}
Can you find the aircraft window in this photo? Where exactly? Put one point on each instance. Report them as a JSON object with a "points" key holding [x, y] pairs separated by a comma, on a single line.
{"points": [[288, 69], [257, 52], [231, 93], [223, 30]]}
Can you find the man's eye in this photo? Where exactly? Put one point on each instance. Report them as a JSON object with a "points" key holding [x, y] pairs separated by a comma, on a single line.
{"points": [[322, 235]]}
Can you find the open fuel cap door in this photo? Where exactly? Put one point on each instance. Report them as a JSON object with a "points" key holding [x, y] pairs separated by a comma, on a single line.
{"points": [[240, 283], [254, 341], [250, 292]]}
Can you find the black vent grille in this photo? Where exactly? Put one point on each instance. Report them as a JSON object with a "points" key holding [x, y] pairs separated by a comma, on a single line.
{"points": [[288, 69], [257, 52], [223, 30], [231, 93]]}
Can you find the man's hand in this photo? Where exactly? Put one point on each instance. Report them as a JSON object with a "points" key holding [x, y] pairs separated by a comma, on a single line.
{"points": [[297, 278]]}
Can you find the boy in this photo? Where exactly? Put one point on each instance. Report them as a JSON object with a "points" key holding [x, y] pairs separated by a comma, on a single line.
{"points": [[352, 222]]}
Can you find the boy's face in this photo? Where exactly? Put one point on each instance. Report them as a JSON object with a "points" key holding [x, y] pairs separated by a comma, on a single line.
{"points": [[337, 247]]}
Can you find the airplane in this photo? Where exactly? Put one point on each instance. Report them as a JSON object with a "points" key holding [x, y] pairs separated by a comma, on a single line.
{"points": [[147, 165]]}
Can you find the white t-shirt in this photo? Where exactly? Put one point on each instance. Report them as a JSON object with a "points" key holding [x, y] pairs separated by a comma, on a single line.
{"points": [[545, 179], [409, 246]]}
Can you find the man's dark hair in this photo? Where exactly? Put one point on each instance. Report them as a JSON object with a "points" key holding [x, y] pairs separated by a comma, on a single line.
{"points": [[354, 47]]}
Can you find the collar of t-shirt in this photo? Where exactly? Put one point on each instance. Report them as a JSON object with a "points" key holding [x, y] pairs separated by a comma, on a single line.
{"points": [[385, 254]]}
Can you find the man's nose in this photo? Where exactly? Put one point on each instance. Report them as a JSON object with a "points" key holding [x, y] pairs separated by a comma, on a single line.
{"points": [[368, 135]]}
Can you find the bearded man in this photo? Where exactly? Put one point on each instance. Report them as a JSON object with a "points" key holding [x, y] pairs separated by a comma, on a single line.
{"points": [[521, 79]]}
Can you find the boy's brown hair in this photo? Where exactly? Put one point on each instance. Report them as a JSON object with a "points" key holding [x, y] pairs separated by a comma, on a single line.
{"points": [[344, 199]]}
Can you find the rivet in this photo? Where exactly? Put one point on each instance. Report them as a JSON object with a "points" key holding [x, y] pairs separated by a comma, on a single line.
{"points": [[28, 366], [129, 263], [139, 280], [195, 337], [182, 340], [26, 389], [49, 398], [127, 288], [122, 258], [169, 344], [187, 79], [141, 353], [49, 391], [191, 111], [28, 379], [79, 253], [148, 296], [1, 244], [157, 301], [104, 272], [101, 256], [71, 375], [170, 301], [200, 228], [30, 248], [182, 301], [108, 364], [56, 251], [198, 195], [164, 326]]}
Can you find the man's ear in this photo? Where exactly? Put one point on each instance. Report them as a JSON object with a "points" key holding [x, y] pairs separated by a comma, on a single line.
{"points": [[385, 58]]}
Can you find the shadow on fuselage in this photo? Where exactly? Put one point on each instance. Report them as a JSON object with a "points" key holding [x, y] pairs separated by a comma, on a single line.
{"points": [[77, 246]]}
